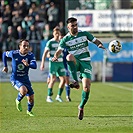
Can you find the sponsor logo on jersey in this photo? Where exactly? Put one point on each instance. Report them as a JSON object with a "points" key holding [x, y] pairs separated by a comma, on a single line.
{"points": [[20, 66]]}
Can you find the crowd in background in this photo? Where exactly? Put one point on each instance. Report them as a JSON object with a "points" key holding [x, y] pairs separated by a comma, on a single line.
{"points": [[27, 19]]}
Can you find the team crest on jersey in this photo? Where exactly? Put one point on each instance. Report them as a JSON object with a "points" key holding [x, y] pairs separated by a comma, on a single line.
{"points": [[20, 66]]}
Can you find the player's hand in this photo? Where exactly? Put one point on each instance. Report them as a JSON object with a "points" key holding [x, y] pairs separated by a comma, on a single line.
{"points": [[25, 62], [5, 69], [54, 59], [101, 46]]}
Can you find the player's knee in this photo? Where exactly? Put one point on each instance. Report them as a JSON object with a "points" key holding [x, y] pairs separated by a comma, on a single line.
{"points": [[31, 100], [86, 89], [53, 80], [23, 90], [70, 57]]}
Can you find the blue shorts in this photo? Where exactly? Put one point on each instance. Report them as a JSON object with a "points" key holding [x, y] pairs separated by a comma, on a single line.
{"points": [[17, 84]]}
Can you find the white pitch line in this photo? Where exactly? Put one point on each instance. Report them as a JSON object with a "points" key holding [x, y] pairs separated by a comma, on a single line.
{"points": [[119, 86]]}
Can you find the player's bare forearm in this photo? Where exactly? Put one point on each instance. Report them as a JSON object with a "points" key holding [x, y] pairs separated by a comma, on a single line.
{"points": [[56, 55], [99, 44], [43, 60]]}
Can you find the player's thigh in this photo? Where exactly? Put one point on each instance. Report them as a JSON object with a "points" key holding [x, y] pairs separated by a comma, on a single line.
{"points": [[18, 85], [85, 69], [61, 69], [53, 67], [30, 89]]}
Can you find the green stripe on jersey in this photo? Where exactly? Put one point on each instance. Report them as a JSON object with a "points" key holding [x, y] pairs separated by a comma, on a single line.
{"points": [[77, 45]]}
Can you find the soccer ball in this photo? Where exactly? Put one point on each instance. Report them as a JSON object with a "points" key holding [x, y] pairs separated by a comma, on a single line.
{"points": [[115, 46]]}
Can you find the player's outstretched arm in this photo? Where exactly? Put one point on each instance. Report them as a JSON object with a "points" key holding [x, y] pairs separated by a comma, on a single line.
{"points": [[32, 64], [99, 44], [43, 59], [57, 54], [4, 58]]}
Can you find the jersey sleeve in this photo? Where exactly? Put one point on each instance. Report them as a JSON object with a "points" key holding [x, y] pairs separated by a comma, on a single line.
{"points": [[90, 37], [47, 46], [62, 44], [32, 63], [5, 56]]}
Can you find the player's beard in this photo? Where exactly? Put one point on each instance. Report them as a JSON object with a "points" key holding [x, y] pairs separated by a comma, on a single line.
{"points": [[75, 31]]}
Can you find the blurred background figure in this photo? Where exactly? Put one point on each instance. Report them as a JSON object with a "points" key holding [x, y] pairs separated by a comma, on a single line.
{"points": [[47, 32], [53, 15], [20, 33], [11, 42], [35, 37], [62, 28]]}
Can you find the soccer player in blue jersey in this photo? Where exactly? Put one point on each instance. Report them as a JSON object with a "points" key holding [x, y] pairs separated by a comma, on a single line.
{"points": [[22, 60], [65, 53]]}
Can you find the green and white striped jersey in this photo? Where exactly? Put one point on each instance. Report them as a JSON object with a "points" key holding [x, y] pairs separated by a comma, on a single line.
{"points": [[77, 45], [52, 46]]}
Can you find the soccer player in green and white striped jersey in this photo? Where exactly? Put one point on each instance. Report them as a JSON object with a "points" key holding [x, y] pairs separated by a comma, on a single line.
{"points": [[78, 58], [56, 69]]}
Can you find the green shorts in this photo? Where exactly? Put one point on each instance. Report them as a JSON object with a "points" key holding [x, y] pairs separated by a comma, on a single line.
{"points": [[85, 69], [56, 68]]}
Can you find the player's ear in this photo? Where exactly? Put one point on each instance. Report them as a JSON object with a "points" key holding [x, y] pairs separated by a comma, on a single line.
{"points": [[20, 42], [68, 27]]}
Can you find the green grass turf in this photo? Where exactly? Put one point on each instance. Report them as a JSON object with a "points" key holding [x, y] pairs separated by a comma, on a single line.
{"points": [[109, 110]]}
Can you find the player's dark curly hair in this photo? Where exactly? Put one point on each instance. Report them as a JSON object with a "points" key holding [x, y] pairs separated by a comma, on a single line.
{"points": [[71, 20], [20, 42]]}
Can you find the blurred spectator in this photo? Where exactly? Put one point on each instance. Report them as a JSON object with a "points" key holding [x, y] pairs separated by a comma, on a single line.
{"points": [[20, 33], [32, 13], [35, 37], [47, 4], [16, 19], [86, 4], [11, 42], [22, 8], [39, 24], [27, 22], [2, 7], [62, 28], [47, 33], [3, 26], [15, 8], [53, 15], [42, 13], [33, 34], [7, 15], [3, 32]]}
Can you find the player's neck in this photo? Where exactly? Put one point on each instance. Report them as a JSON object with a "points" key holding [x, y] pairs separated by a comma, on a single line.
{"points": [[22, 53], [74, 34], [57, 39]]}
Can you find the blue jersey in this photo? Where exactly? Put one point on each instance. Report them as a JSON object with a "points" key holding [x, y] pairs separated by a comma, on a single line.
{"points": [[65, 53], [19, 70]]}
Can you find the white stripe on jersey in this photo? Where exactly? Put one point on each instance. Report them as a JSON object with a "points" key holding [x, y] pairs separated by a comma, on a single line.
{"points": [[77, 41]]}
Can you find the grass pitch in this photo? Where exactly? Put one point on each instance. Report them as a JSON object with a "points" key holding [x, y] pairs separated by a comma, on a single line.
{"points": [[108, 110]]}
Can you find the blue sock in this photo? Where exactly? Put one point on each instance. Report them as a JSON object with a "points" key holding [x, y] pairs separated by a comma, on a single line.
{"points": [[30, 106], [67, 90], [20, 97]]}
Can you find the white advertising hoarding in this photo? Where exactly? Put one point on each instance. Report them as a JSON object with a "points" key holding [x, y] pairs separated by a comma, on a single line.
{"points": [[103, 20]]}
